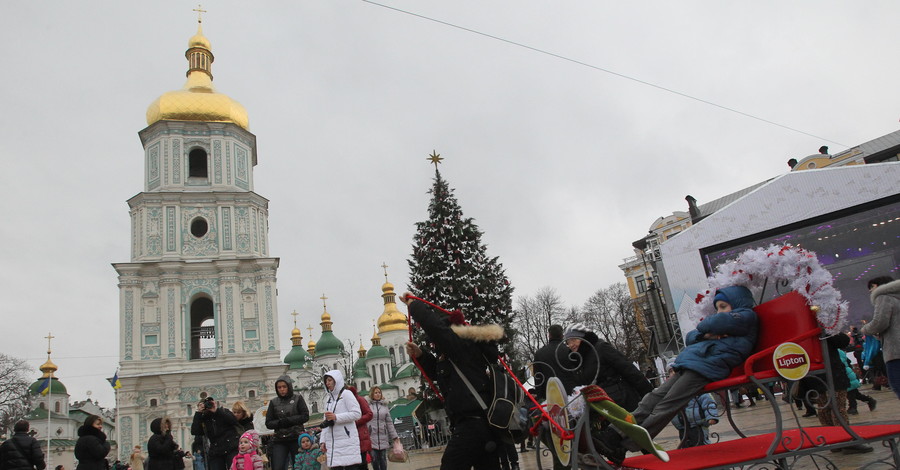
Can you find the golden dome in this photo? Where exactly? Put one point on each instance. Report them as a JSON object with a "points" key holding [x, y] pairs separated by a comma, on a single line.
{"points": [[48, 368], [198, 99], [392, 319], [362, 349]]}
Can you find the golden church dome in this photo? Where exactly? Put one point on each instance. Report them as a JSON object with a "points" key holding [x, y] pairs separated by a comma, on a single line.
{"points": [[198, 100], [392, 319], [295, 332]]}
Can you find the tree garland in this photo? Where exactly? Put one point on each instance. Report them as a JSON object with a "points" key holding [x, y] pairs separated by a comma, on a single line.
{"points": [[797, 267]]}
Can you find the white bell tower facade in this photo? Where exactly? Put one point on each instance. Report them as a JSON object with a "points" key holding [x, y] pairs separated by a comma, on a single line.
{"points": [[198, 300]]}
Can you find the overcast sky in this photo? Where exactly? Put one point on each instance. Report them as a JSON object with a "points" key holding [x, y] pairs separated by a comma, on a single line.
{"points": [[561, 164]]}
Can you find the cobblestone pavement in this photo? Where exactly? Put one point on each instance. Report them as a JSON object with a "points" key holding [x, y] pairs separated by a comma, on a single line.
{"points": [[753, 420]]}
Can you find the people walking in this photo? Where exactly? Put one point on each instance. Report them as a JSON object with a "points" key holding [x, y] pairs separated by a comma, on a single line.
{"points": [[21, 451], [885, 297], [286, 415], [381, 430], [91, 448]]}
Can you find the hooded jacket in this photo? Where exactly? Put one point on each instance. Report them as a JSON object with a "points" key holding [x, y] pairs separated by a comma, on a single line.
{"points": [[21, 452], [286, 415], [161, 447], [341, 438], [714, 358], [470, 347], [91, 449], [381, 427], [886, 320], [604, 365]]}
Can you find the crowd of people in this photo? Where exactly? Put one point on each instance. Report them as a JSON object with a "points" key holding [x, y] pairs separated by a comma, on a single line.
{"points": [[356, 430]]}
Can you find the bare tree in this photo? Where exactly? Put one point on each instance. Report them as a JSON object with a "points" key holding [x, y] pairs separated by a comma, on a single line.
{"points": [[14, 397], [533, 317], [610, 313]]}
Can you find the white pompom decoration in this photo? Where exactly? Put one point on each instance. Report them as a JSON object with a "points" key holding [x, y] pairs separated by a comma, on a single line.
{"points": [[795, 266]]}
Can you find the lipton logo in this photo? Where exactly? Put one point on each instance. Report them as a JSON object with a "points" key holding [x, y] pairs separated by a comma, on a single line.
{"points": [[791, 361]]}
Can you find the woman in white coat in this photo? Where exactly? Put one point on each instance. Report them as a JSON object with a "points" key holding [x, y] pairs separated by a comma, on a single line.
{"points": [[340, 440]]}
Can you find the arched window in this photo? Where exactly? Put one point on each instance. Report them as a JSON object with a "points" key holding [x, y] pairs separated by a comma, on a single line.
{"points": [[383, 377], [42, 405], [154, 402], [197, 163], [393, 356], [251, 394], [315, 407], [203, 329], [56, 407]]}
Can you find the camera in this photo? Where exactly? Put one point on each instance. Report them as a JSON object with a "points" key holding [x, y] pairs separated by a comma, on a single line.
{"points": [[327, 423], [208, 402]]}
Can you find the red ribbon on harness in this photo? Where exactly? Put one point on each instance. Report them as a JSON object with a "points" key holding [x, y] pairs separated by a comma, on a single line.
{"points": [[564, 433]]}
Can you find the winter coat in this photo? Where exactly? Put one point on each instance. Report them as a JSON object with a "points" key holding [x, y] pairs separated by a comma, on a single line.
{"points": [[91, 449], [381, 427], [854, 380], [136, 460], [553, 360], [886, 320], [287, 414], [341, 438], [29, 457], [470, 347], [238, 462], [362, 428], [306, 459], [715, 358], [604, 365], [161, 447], [220, 428], [834, 345], [246, 424]]}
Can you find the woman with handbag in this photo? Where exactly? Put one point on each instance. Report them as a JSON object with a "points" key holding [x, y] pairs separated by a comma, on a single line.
{"points": [[382, 431]]}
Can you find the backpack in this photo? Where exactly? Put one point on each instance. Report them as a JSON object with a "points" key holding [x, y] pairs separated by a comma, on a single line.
{"points": [[503, 412]]}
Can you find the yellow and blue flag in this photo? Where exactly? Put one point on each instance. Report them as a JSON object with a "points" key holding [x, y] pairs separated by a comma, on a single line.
{"points": [[115, 382], [44, 388]]}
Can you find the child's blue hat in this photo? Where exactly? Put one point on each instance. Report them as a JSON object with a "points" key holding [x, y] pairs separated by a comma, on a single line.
{"points": [[312, 440], [721, 296]]}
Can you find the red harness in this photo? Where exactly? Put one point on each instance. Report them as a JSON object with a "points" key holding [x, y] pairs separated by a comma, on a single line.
{"points": [[563, 432]]}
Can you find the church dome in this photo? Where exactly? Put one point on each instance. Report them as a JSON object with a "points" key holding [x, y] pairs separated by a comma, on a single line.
{"points": [[377, 351], [392, 319], [198, 100], [328, 344], [56, 387], [297, 358]]}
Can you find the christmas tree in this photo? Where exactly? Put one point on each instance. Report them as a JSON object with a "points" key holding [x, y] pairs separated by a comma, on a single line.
{"points": [[450, 266]]}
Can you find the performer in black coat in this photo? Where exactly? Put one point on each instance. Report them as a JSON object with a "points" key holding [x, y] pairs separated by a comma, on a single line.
{"points": [[220, 428], [21, 451], [92, 447], [554, 359], [605, 366], [472, 443]]}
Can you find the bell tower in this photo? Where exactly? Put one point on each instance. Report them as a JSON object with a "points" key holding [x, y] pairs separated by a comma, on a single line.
{"points": [[197, 302]]}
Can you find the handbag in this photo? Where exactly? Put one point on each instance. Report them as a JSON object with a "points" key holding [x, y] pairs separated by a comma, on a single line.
{"points": [[401, 457]]}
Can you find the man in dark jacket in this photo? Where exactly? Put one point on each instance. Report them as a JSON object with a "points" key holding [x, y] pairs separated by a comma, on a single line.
{"points": [[472, 443], [554, 360], [21, 451], [219, 426], [602, 364]]}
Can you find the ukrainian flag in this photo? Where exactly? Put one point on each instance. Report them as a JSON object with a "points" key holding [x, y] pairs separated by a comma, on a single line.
{"points": [[115, 382], [44, 387]]}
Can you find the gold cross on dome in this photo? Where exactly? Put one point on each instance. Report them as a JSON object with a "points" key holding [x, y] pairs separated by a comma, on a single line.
{"points": [[200, 11], [323, 300], [49, 337], [384, 266], [435, 158], [295, 314], [309, 328]]}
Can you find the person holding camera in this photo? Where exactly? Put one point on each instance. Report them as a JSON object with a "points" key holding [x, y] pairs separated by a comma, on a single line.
{"points": [[162, 450], [286, 414], [220, 428], [339, 437]]}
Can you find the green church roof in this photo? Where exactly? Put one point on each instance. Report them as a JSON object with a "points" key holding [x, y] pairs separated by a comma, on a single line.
{"points": [[377, 352], [359, 369], [328, 344], [56, 387], [297, 358], [407, 370]]}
